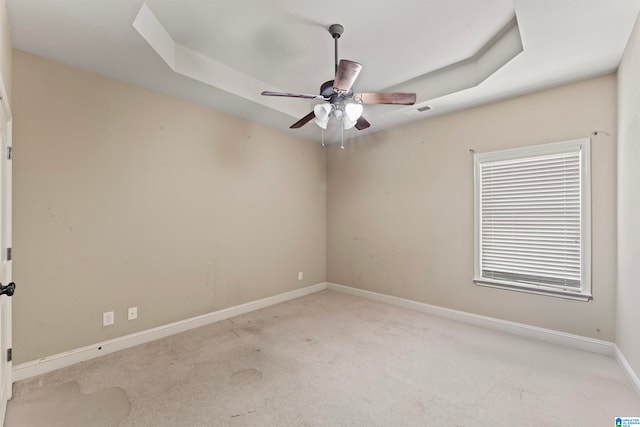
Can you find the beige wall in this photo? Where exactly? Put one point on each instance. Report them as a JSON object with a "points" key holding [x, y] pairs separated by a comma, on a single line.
{"points": [[400, 206], [628, 309], [5, 49], [125, 197]]}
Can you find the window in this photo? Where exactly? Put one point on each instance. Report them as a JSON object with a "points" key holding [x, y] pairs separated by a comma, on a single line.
{"points": [[532, 219]]}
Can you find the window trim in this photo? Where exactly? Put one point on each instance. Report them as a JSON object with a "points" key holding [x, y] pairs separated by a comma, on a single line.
{"points": [[583, 145]]}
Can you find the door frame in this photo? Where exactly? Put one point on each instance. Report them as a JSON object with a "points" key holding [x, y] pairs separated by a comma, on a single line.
{"points": [[6, 365]]}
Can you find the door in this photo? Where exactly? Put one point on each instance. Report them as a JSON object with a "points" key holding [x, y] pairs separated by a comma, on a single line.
{"points": [[7, 287]]}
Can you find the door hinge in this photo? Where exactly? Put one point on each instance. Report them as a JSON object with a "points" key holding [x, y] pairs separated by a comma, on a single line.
{"points": [[9, 254], [9, 354], [9, 153]]}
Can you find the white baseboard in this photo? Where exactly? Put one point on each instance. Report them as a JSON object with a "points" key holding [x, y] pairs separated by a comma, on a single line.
{"points": [[61, 360], [3, 411], [628, 370], [533, 332]]}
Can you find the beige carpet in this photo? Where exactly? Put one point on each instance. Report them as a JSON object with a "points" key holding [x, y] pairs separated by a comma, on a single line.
{"points": [[331, 359]]}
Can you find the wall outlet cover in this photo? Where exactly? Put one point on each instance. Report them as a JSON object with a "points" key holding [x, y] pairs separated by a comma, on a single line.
{"points": [[108, 318]]}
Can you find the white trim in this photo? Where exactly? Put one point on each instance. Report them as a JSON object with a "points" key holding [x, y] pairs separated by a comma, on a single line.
{"points": [[628, 370], [532, 332], [582, 148], [4, 101], [531, 289], [61, 360]]}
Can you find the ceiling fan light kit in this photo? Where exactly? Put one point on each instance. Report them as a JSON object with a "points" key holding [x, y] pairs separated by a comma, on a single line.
{"points": [[322, 112], [340, 102], [352, 113]]}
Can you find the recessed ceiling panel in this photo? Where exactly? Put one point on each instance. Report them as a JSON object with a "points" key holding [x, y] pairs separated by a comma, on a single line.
{"points": [[285, 44]]}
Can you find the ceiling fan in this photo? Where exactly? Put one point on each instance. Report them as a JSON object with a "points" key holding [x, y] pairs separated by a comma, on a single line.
{"points": [[340, 100]]}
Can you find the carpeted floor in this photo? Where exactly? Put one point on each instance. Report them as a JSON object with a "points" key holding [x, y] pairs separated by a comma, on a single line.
{"points": [[331, 359]]}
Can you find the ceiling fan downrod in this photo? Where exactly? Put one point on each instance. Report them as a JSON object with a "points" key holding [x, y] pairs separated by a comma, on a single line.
{"points": [[336, 31]]}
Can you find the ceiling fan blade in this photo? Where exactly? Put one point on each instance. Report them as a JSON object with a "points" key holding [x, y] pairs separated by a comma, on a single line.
{"points": [[362, 123], [346, 75], [385, 98], [292, 95], [303, 121]]}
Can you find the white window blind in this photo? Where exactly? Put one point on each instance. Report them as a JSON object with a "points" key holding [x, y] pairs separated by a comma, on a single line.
{"points": [[532, 219]]}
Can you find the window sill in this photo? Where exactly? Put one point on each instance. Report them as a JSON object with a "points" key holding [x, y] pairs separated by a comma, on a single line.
{"points": [[532, 289]]}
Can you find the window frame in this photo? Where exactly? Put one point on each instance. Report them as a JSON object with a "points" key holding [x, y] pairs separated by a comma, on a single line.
{"points": [[583, 146]]}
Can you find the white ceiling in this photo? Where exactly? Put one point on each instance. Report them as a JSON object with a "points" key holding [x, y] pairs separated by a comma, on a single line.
{"points": [[284, 45]]}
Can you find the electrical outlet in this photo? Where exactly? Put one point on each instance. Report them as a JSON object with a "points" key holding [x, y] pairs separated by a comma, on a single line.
{"points": [[132, 313], [300, 275], [108, 318]]}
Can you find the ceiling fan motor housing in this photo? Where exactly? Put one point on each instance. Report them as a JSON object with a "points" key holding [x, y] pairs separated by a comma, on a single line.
{"points": [[327, 91]]}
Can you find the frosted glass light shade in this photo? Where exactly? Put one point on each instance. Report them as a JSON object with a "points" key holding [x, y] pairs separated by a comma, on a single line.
{"points": [[348, 115], [322, 112], [353, 111], [347, 123]]}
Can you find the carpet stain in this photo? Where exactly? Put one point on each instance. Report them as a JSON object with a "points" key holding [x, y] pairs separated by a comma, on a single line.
{"points": [[65, 405], [251, 330], [244, 413], [245, 376]]}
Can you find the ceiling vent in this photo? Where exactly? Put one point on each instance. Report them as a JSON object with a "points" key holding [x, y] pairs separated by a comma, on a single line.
{"points": [[425, 108]]}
